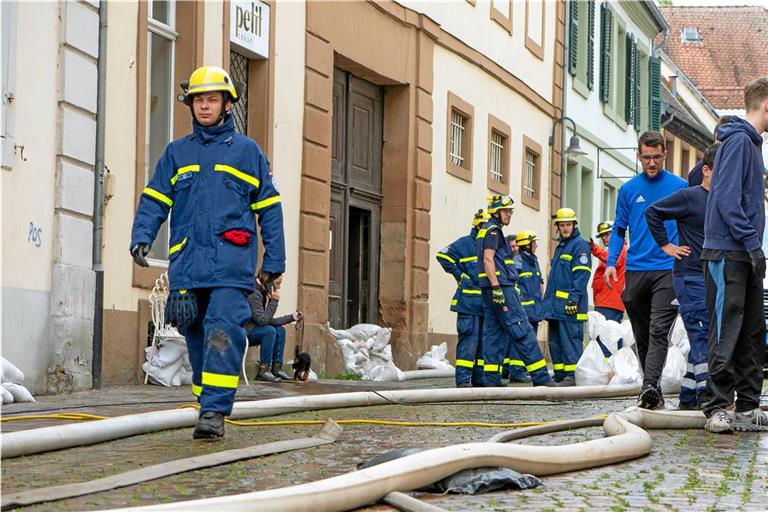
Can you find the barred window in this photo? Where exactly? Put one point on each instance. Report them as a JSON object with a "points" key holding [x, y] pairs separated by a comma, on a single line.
{"points": [[531, 174], [238, 70], [531, 159], [457, 154], [497, 157]]}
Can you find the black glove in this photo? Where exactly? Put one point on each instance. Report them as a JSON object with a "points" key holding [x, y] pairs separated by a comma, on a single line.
{"points": [[571, 308], [757, 258], [181, 308], [497, 297], [138, 252]]}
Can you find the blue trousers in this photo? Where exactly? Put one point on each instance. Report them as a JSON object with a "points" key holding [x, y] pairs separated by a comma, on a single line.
{"points": [[609, 314], [691, 294], [566, 344], [514, 367], [497, 326], [272, 341], [468, 327], [215, 343]]}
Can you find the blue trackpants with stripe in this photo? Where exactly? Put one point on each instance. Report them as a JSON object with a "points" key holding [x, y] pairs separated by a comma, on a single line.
{"points": [[691, 294]]}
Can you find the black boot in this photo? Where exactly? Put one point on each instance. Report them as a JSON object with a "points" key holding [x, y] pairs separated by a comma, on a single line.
{"points": [[277, 371], [210, 425], [265, 375], [568, 381], [550, 384]]}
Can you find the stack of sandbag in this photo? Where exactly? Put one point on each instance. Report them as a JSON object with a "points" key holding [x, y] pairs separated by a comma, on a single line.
{"points": [[622, 367], [677, 358], [168, 364], [12, 384], [367, 352], [434, 358]]}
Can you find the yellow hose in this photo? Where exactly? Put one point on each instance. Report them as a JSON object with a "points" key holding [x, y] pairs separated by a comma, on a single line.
{"points": [[76, 416]]}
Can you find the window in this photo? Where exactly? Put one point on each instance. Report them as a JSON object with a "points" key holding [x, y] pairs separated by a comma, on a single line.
{"points": [[161, 38], [8, 74], [534, 27], [531, 174], [238, 70], [498, 155], [608, 206], [459, 138], [501, 13], [581, 45], [669, 163], [606, 51], [690, 35], [685, 161]]}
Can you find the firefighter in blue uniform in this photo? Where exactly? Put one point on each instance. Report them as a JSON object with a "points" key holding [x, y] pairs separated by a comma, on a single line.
{"points": [[529, 279], [215, 182], [460, 260], [503, 314], [565, 300]]}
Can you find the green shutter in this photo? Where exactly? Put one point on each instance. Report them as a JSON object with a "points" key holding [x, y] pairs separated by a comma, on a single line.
{"points": [[629, 80], [606, 40], [591, 46], [573, 38], [654, 81], [636, 92]]}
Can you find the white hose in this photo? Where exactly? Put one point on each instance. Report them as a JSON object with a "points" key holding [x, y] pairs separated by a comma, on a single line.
{"points": [[38, 440], [430, 374], [624, 441]]}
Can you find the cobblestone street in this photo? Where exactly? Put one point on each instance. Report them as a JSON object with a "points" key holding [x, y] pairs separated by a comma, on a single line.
{"points": [[686, 470]]}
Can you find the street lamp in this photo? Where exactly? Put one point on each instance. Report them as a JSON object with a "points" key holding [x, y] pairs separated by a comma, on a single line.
{"points": [[573, 149]]}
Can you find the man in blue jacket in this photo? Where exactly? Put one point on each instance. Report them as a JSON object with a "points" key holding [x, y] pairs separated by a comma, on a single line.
{"points": [[503, 314], [648, 293], [687, 207], [460, 260], [735, 268], [530, 281], [566, 299], [215, 181]]}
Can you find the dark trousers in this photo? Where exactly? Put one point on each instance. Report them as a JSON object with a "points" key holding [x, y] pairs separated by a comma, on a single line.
{"points": [[648, 298], [692, 296], [468, 327], [566, 344], [215, 344], [272, 341], [514, 367], [497, 326], [610, 313], [736, 335]]}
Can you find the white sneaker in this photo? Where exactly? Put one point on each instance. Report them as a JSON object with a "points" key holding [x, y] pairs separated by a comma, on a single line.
{"points": [[719, 422], [750, 421]]}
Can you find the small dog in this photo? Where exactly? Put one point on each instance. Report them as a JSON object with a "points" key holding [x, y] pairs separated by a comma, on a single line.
{"points": [[301, 363]]}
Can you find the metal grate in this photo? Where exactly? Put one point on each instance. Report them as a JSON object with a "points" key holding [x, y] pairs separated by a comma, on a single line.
{"points": [[529, 185], [457, 136], [497, 157], [765, 304], [238, 70]]}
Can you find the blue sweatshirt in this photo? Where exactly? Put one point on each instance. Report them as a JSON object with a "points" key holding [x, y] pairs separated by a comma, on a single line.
{"points": [[687, 207], [735, 210], [634, 196]]}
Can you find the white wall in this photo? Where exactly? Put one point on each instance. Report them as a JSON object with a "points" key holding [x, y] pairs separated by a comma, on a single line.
{"points": [[454, 201], [288, 133]]}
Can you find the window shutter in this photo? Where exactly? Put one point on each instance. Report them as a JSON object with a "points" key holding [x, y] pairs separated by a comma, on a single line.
{"points": [[636, 92], [654, 77], [629, 80], [591, 46], [573, 38], [606, 39]]}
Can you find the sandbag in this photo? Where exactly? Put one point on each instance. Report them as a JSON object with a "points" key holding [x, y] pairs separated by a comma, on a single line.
{"points": [[468, 481], [7, 395], [592, 368], [434, 358], [679, 337], [610, 333], [594, 321], [674, 371], [164, 376], [625, 368], [19, 392], [628, 336], [381, 372], [10, 373], [364, 331], [167, 352]]}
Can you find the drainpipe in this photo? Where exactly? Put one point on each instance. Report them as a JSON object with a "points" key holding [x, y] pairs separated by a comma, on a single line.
{"points": [[98, 197], [563, 130]]}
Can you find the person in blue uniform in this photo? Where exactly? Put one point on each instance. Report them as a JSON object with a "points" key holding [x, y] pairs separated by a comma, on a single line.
{"points": [[504, 314], [565, 300], [530, 280], [213, 183], [459, 260]]}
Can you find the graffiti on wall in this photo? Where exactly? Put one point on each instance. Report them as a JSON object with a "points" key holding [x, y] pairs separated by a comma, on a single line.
{"points": [[35, 235]]}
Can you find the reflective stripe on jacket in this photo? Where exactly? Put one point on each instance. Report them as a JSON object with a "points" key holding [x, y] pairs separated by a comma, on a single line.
{"points": [[459, 260], [568, 279], [529, 284], [505, 263]]}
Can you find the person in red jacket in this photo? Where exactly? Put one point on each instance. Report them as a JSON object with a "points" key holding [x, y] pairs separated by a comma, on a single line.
{"points": [[607, 297]]}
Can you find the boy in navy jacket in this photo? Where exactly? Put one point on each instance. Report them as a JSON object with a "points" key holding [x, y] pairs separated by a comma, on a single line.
{"points": [[735, 268]]}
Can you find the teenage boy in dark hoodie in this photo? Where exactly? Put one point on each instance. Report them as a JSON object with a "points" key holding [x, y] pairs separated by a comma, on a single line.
{"points": [[735, 268]]}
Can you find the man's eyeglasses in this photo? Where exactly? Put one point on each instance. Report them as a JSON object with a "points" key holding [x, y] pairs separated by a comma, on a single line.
{"points": [[648, 158]]}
